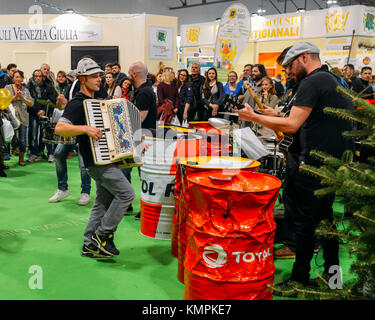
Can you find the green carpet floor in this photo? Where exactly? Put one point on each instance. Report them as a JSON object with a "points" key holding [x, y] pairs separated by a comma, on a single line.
{"points": [[34, 232]]}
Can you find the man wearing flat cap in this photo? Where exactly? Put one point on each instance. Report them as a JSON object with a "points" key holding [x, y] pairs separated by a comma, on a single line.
{"points": [[114, 193], [318, 131]]}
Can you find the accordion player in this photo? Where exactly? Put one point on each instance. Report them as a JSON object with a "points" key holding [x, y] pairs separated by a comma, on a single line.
{"points": [[120, 122]]}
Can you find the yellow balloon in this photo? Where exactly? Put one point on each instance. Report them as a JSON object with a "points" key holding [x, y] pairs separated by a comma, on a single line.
{"points": [[5, 98]]}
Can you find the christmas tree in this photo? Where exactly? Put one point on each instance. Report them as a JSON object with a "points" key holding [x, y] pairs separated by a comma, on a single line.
{"points": [[354, 180]]}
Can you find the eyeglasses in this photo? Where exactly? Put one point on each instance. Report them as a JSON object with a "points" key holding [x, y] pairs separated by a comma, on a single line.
{"points": [[35, 76], [182, 74], [290, 63]]}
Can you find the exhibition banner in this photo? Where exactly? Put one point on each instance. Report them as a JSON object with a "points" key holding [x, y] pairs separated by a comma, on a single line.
{"points": [[332, 22], [232, 36], [277, 27], [51, 33], [161, 41], [202, 34]]}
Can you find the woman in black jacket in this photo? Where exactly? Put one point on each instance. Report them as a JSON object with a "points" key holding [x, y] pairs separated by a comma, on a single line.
{"points": [[185, 97], [212, 93]]}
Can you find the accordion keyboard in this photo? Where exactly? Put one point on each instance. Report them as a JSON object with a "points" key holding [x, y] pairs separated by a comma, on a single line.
{"points": [[119, 120]]}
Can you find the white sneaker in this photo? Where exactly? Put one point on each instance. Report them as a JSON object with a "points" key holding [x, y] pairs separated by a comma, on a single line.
{"points": [[51, 158], [59, 195], [85, 199]]}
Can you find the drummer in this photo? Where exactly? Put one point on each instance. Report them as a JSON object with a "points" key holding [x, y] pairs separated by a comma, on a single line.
{"points": [[39, 90]]}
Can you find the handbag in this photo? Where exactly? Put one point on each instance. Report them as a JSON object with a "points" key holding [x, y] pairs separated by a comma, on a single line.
{"points": [[7, 130], [175, 121]]}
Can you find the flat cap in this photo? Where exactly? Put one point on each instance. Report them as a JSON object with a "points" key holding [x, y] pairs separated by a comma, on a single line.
{"points": [[299, 48]]}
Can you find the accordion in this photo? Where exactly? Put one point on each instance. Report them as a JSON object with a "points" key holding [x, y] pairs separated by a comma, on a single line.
{"points": [[120, 122]]}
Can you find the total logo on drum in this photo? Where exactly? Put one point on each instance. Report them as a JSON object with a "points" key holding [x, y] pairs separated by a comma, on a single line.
{"points": [[215, 256]]}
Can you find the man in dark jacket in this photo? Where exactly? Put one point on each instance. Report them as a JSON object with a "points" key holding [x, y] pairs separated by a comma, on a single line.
{"points": [[39, 90], [196, 81], [4, 79]]}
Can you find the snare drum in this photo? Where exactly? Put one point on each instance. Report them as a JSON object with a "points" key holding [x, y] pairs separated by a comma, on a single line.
{"points": [[50, 137], [273, 163]]}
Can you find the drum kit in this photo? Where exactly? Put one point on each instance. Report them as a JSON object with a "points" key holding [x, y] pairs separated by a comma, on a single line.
{"points": [[49, 135], [272, 163]]}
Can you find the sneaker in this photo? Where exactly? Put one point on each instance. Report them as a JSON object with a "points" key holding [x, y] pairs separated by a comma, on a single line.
{"points": [[105, 243], [284, 253], [32, 158], [93, 251], [51, 158], [59, 195], [85, 199], [138, 216]]}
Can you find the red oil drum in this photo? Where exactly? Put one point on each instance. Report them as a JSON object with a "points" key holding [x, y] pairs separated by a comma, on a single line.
{"points": [[230, 231], [217, 142], [190, 166], [157, 182]]}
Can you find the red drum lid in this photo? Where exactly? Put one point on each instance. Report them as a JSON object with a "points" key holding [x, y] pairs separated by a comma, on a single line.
{"points": [[245, 181]]}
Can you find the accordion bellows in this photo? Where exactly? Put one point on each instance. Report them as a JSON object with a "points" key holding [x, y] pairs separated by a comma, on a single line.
{"points": [[120, 122]]}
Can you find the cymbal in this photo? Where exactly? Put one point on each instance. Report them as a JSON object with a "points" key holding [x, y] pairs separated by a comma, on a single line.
{"points": [[219, 123], [229, 113], [268, 138]]}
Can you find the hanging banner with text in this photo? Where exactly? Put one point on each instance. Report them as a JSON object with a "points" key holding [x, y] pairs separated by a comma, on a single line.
{"points": [[232, 38], [280, 27], [51, 33]]}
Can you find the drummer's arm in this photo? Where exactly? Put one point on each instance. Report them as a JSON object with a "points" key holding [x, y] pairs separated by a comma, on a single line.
{"points": [[66, 129], [297, 117], [61, 102]]}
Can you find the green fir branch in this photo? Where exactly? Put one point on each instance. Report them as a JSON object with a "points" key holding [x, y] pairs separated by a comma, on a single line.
{"points": [[325, 191], [319, 173], [357, 133], [349, 115]]}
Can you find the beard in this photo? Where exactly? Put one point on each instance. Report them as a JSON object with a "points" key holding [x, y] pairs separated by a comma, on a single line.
{"points": [[257, 77], [300, 72]]}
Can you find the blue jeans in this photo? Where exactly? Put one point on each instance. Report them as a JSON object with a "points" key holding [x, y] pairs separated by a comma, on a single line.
{"points": [[22, 131], [33, 134], [61, 154]]}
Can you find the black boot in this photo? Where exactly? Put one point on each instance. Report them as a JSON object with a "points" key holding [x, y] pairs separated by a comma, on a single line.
{"points": [[2, 173]]}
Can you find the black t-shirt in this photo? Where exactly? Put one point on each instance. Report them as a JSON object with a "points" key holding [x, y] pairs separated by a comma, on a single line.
{"points": [[322, 131], [145, 100], [75, 113]]}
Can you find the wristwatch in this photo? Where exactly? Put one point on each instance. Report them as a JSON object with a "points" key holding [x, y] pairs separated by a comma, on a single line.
{"points": [[278, 113]]}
